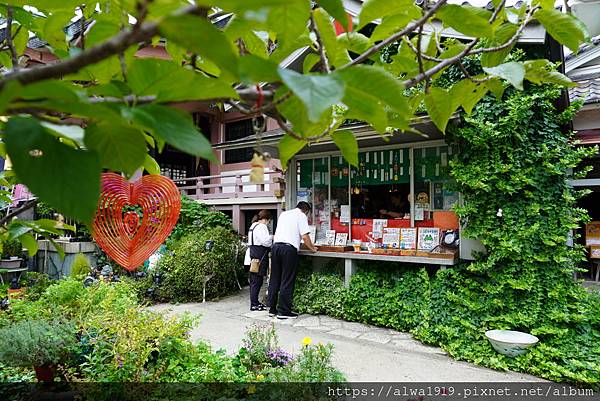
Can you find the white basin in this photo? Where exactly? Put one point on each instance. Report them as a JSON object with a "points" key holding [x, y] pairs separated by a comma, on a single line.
{"points": [[510, 343]]}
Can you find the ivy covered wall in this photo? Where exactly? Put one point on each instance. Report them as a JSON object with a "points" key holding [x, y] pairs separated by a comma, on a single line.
{"points": [[512, 169]]}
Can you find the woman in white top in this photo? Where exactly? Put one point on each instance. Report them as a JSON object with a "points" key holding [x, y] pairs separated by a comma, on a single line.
{"points": [[259, 246]]}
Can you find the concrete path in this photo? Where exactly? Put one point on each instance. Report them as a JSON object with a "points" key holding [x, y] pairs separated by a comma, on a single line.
{"points": [[363, 353]]}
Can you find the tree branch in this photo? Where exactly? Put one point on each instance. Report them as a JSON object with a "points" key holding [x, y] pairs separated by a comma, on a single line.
{"points": [[28, 205], [408, 29], [9, 38], [115, 45], [324, 61], [468, 50]]}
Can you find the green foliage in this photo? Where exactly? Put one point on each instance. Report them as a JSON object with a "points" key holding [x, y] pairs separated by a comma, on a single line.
{"points": [[123, 102], [36, 283], [320, 294], [391, 299], [80, 266], [194, 217], [36, 343], [185, 270], [11, 248], [259, 341], [313, 364]]}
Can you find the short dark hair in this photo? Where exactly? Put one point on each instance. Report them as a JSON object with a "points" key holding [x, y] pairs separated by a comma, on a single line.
{"points": [[304, 206]]}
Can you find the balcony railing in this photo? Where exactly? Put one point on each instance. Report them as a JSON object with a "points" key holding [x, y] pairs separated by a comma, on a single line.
{"points": [[230, 185]]}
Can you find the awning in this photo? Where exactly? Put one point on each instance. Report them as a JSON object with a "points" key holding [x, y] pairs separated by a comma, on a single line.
{"points": [[366, 136]]}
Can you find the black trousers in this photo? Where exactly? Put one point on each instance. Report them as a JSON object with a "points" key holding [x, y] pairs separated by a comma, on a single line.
{"points": [[284, 266], [256, 282]]}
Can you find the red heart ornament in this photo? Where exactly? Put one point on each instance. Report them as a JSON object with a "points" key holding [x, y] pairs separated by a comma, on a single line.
{"points": [[135, 218]]}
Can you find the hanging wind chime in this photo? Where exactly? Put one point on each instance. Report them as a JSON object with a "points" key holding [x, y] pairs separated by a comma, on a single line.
{"points": [[134, 218]]}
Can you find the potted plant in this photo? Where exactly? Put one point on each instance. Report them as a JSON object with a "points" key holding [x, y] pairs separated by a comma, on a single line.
{"points": [[11, 254], [14, 289], [40, 344]]}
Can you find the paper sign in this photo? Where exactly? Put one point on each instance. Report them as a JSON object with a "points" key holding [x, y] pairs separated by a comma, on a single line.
{"points": [[393, 240], [429, 238], [312, 233], [419, 213], [408, 238], [330, 237], [345, 214], [391, 230], [341, 239]]}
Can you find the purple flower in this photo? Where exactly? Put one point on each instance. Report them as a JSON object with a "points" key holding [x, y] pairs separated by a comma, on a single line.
{"points": [[279, 357]]}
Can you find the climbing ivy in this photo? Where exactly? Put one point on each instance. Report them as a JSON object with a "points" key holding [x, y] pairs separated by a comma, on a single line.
{"points": [[512, 170]]}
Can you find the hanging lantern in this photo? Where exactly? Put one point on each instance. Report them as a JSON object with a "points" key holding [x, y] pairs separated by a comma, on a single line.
{"points": [[134, 218]]}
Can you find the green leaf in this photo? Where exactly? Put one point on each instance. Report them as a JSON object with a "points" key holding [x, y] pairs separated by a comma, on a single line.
{"points": [[336, 54], [513, 72], [101, 31], [467, 94], [246, 5], [496, 87], [395, 23], [120, 148], [65, 178], [373, 81], [317, 92], [542, 71], [150, 165], [297, 114], [502, 35], [72, 133], [309, 62], [336, 9], [365, 107], [289, 19], [466, 19], [565, 28], [288, 147], [20, 39], [11, 90], [346, 142], [440, 106], [374, 9], [198, 35], [255, 44], [253, 69], [29, 243], [170, 82], [354, 41], [173, 126]]}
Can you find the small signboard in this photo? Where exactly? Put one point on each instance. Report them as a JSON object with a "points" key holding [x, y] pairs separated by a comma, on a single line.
{"points": [[429, 238], [341, 239], [330, 237], [392, 240], [408, 238]]}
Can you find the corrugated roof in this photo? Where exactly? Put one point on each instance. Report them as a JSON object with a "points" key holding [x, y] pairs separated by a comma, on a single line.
{"points": [[588, 90]]}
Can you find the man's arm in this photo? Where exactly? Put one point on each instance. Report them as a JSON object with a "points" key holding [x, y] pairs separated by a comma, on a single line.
{"points": [[308, 242], [391, 214]]}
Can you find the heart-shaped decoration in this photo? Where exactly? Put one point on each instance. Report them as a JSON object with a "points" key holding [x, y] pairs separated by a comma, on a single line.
{"points": [[134, 219]]}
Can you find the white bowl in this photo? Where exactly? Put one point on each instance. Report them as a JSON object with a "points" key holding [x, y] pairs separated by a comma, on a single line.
{"points": [[511, 343]]}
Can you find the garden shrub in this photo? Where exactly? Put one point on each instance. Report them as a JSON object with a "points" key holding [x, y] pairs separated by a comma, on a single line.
{"points": [[36, 342], [194, 217], [321, 293], [80, 266], [398, 299], [185, 269]]}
